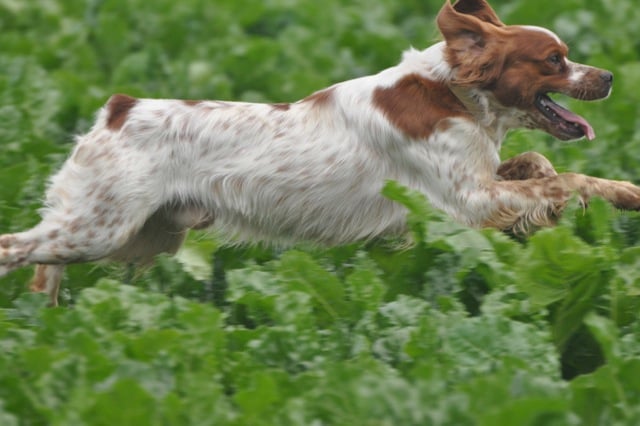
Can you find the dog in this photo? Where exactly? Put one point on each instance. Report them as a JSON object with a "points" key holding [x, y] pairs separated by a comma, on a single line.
{"points": [[313, 170]]}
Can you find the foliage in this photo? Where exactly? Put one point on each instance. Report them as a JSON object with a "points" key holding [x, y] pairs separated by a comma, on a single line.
{"points": [[464, 327]]}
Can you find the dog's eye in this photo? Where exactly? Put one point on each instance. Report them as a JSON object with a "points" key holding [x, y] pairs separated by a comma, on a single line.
{"points": [[555, 59]]}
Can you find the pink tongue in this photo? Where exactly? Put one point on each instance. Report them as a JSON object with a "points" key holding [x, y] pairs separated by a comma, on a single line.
{"points": [[575, 118]]}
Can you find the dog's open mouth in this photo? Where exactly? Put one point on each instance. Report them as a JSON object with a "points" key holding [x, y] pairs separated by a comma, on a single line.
{"points": [[566, 122]]}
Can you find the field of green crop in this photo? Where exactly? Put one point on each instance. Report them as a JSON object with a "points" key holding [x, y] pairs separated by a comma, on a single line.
{"points": [[465, 327]]}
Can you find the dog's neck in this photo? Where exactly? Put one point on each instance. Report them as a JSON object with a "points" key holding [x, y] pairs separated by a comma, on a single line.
{"points": [[494, 119]]}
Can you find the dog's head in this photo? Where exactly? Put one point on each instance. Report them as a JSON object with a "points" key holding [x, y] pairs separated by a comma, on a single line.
{"points": [[518, 66]]}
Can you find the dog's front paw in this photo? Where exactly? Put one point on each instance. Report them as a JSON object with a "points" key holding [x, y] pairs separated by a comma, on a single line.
{"points": [[624, 195]]}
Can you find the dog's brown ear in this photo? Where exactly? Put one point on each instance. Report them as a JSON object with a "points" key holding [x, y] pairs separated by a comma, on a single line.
{"points": [[467, 23], [469, 27], [480, 9]]}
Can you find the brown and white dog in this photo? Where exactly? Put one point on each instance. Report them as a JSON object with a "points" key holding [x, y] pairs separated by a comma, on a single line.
{"points": [[313, 170]]}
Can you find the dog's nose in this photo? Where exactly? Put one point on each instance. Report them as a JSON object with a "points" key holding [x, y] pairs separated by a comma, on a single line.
{"points": [[607, 77]]}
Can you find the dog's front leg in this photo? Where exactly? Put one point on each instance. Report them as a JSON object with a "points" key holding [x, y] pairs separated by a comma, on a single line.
{"points": [[522, 204]]}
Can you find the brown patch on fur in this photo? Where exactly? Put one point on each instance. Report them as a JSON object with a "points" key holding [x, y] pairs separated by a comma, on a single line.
{"points": [[82, 155], [119, 107], [555, 192], [443, 125], [281, 106], [321, 97], [191, 103], [7, 241], [75, 225], [417, 105], [116, 221]]}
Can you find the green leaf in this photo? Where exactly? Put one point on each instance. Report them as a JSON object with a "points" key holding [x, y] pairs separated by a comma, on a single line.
{"points": [[196, 256], [553, 263], [606, 334], [594, 224], [419, 210], [299, 272], [559, 268]]}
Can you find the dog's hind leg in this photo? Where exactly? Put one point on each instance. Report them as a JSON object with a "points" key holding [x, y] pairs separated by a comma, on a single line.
{"points": [[47, 280], [77, 227], [62, 239], [74, 237], [163, 232]]}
